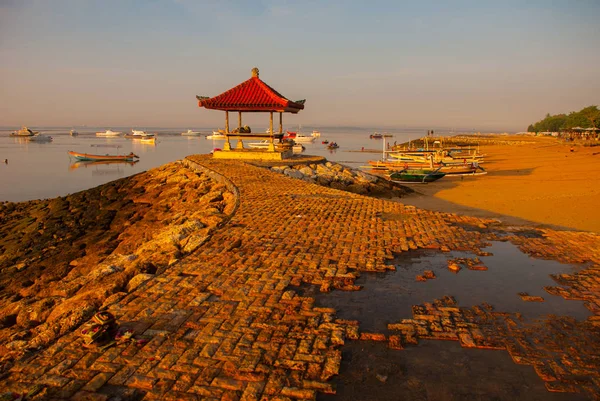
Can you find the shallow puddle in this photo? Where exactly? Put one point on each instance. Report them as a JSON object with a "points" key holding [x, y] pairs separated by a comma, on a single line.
{"points": [[443, 370], [388, 297], [436, 371]]}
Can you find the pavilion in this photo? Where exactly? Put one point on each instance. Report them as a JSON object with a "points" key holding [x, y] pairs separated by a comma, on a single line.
{"points": [[252, 96]]}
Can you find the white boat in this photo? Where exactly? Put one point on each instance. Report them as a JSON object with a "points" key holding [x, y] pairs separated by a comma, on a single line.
{"points": [[108, 133], [316, 134], [264, 144], [135, 134], [298, 148], [191, 133], [217, 135], [39, 138], [24, 131], [299, 138]]}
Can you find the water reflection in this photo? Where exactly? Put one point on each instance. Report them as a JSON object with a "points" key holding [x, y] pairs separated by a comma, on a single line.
{"points": [[388, 297], [86, 164]]}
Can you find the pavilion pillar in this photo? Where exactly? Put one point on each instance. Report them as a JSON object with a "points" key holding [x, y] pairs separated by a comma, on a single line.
{"points": [[271, 145], [240, 144], [227, 145], [280, 122]]}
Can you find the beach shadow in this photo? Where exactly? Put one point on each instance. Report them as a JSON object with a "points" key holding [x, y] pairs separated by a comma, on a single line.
{"points": [[424, 197], [514, 172]]}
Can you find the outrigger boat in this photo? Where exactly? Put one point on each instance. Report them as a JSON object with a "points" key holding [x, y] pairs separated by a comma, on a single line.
{"points": [[88, 157], [393, 166], [417, 175]]}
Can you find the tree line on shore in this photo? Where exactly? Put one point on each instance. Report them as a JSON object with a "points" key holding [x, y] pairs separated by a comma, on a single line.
{"points": [[588, 117]]}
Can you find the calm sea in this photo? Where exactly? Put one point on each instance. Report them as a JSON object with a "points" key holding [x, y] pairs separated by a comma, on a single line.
{"points": [[45, 170]]}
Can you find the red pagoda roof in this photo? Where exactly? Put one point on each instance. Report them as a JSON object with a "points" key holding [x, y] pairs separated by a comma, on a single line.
{"points": [[251, 95]]}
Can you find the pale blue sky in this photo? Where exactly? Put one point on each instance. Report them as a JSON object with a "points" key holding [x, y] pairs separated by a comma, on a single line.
{"points": [[485, 65]]}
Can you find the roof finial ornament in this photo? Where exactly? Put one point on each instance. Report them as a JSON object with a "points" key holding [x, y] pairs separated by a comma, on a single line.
{"points": [[255, 72]]}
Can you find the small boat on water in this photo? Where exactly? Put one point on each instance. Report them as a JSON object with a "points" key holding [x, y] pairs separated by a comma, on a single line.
{"points": [[89, 157], [135, 134], [299, 138], [316, 134], [73, 133], [417, 175], [148, 139], [220, 134], [24, 131], [264, 144], [333, 145], [108, 133], [191, 133], [39, 138], [376, 135]]}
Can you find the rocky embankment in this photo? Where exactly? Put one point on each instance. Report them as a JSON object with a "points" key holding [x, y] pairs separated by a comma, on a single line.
{"points": [[344, 178], [63, 259]]}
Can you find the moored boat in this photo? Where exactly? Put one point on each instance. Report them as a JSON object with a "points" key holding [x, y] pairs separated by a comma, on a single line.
{"points": [[39, 138], [138, 134], [376, 135], [108, 133], [73, 133], [264, 144], [298, 137], [189, 132], [219, 134], [417, 175], [24, 131], [316, 134], [148, 139], [89, 157]]}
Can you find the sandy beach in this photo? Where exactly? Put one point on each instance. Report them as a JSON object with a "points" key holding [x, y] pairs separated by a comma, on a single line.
{"points": [[533, 180]]}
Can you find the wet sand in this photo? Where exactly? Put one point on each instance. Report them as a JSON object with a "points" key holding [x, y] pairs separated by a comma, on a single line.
{"points": [[534, 181]]}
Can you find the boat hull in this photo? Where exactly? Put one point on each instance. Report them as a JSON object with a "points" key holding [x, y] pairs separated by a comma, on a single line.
{"points": [[417, 175]]}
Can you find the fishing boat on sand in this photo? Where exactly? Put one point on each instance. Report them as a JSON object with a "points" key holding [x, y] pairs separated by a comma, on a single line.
{"points": [[89, 157], [383, 167], [417, 175]]}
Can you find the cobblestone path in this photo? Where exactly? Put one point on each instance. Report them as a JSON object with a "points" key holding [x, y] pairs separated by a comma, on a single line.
{"points": [[226, 324]]}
